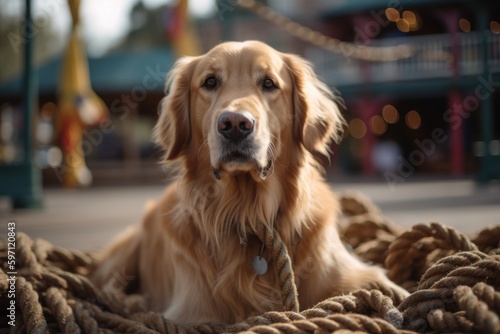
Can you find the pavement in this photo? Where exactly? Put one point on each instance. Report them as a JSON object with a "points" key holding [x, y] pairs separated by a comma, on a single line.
{"points": [[88, 219]]}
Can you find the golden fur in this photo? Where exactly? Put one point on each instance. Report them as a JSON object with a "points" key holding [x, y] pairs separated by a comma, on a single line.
{"points": [[191, 256]]}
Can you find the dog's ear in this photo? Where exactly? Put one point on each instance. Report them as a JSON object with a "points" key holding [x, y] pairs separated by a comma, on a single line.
{"points": [[317, 118], [173, 130]]}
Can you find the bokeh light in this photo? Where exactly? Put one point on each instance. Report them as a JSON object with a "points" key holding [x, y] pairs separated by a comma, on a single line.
{"points": [[495, 27], [403, 25], [54, 156], [413, 19], [392, 14], [357, 128], [410, 17], [390, 114], [464, 25], [378, 125], [413, 119]]}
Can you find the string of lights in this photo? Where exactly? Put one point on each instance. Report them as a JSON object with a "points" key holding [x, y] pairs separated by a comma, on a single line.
{"points": [[350, 50]]}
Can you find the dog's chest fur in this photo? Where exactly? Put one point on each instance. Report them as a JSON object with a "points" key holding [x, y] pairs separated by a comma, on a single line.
{"points": [[221, 283], [214, 249]]}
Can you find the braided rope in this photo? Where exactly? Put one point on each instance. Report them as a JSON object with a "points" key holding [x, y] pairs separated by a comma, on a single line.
{"points": [[476, 310], [4, 283], [24, 255], [363, 52], [487, 294], [365, 302], [448, 264], [366, 227], [447, 322], [457, 293], [413, 247], [30, 307], [486, 270], [83, 317], [355, 203], [272, 240], [329, 324], [442, 294], [375, 251], [370, 235], [488, 239], [58, 305]]}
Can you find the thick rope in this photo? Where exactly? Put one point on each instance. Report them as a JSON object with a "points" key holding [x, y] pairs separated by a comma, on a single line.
{"points": [[487, 294], [355, 203], [447, 322], [272, 241], [369, 53], [488, 239], [459, 290], [446, 265], [373, 303], [366, 227], [375, 251], [31, 309], [440, 295], [476, 310], [58, 305], [329, 324], [415, 245]]}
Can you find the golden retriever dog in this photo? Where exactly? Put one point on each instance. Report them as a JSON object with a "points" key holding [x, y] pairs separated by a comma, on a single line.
{"points": [[248, 128]]}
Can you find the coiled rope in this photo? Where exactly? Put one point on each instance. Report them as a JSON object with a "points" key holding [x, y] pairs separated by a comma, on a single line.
{"points": [[454, 280]]}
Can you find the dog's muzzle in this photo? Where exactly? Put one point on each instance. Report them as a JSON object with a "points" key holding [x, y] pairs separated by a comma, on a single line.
{"points": [[238, 146]]}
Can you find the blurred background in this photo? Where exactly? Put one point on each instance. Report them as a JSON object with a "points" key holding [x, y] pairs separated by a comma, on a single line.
{"points": [[80, 83]]}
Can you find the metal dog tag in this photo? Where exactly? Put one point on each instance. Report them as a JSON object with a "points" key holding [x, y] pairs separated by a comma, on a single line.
{"points": [[259, 264]]}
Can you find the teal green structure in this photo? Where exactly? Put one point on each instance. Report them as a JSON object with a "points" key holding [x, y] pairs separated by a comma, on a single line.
{"points": [[22, 181]]}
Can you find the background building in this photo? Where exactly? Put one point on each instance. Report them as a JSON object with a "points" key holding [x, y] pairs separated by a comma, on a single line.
{"points": [[431, 110]]}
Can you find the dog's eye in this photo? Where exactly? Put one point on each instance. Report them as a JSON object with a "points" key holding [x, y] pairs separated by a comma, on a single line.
{"points": [[268, 84], [211, 83]]}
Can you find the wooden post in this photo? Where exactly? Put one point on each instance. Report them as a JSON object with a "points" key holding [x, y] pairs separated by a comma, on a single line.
{"points": [[450, 18], [368, 106], [490, 165]]}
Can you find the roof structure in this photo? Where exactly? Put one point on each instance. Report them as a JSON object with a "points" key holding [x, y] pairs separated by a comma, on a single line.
{"points": [[111, 73], [346, 7]]}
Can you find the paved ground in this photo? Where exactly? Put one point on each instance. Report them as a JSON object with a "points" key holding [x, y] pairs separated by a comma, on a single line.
{"points": [[87, 219]]}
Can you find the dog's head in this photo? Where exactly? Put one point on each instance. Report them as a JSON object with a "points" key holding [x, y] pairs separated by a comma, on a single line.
{"points": [[241, 105]]}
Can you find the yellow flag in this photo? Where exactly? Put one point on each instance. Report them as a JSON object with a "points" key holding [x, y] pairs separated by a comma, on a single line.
{"points": [[186, 42], [79, 106]]}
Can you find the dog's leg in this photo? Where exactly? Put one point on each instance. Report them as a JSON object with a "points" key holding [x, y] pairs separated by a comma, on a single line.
{"points": [[117, 267]]}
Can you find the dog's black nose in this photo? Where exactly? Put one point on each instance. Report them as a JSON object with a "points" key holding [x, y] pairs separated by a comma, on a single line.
{"points": [[235, 126]]}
